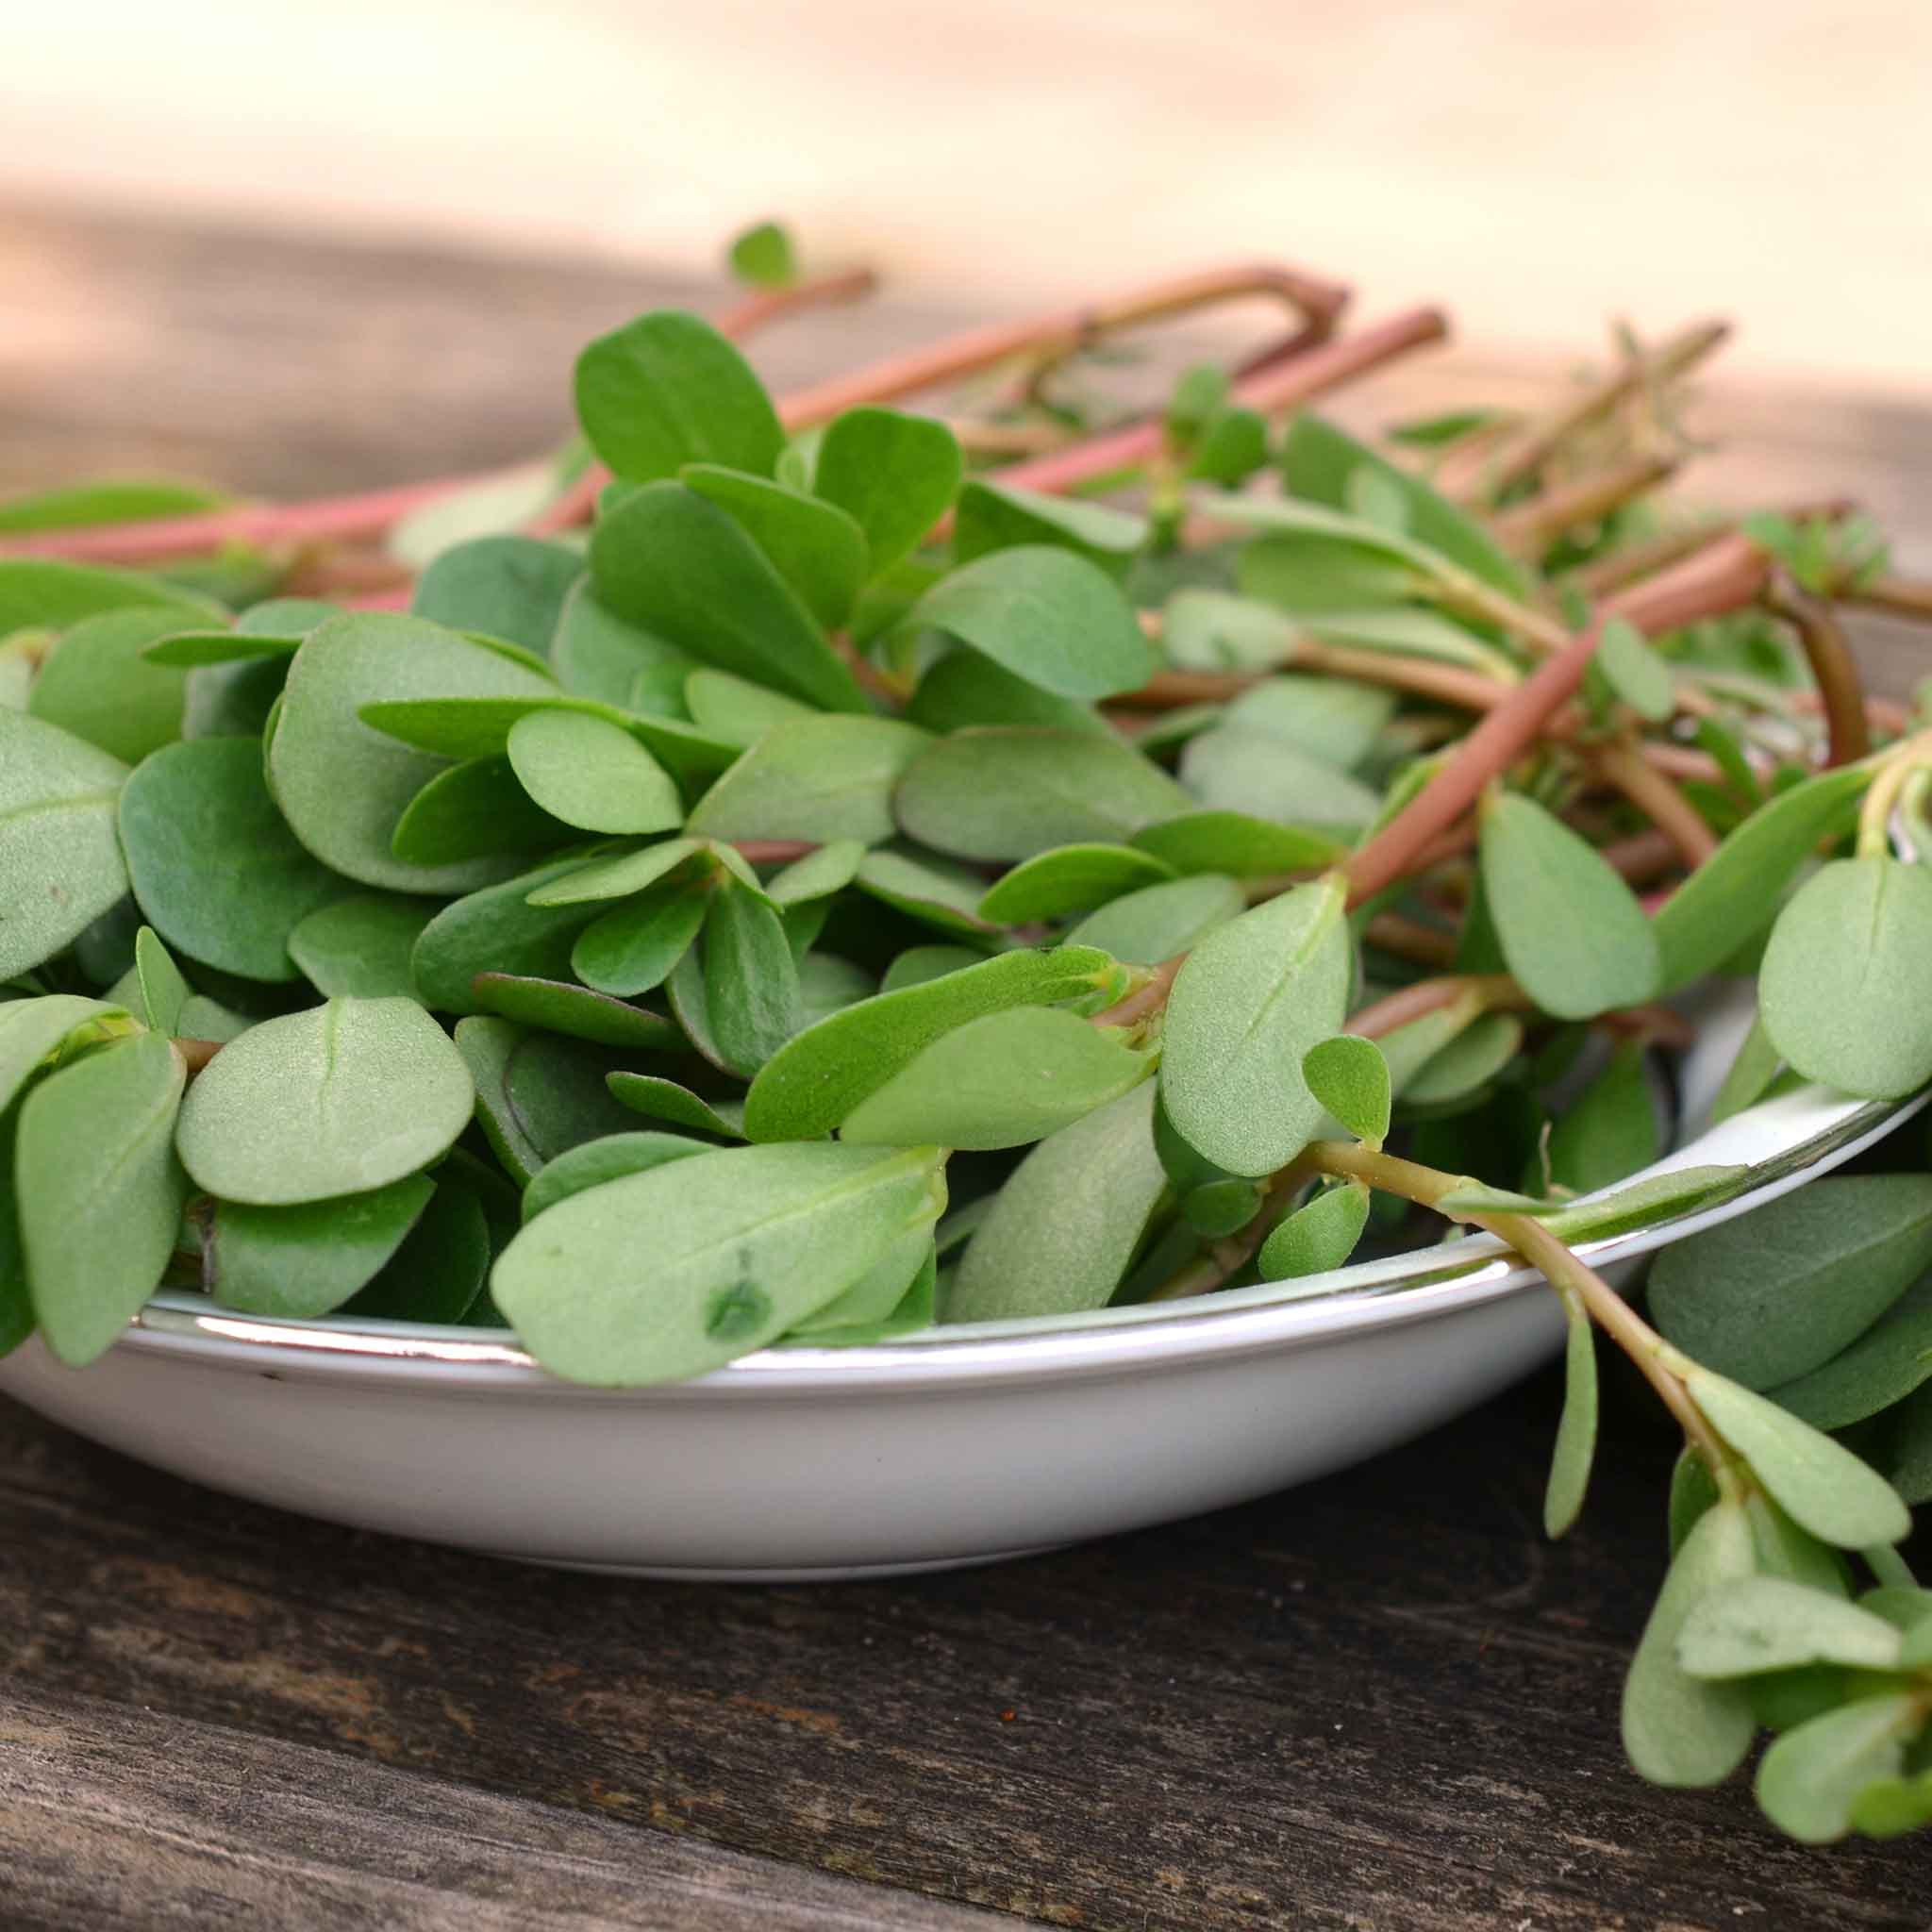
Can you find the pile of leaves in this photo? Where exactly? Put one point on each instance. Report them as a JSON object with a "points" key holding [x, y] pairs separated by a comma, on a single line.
{"points": [[798, 873]]}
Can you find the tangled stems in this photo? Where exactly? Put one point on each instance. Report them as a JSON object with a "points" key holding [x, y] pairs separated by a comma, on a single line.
{"points": [[1663, 1366], [1896, 767], [1723, 576]]}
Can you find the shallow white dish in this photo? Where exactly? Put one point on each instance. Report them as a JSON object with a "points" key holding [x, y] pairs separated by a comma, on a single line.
{"points": [[962, 1446]]}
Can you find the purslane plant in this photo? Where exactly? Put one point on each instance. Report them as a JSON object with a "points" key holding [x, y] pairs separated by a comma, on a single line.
{"points": [[799, 872]]}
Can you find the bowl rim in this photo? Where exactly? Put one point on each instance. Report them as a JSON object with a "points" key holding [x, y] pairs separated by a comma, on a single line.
{"points": [[1776, 1146]]}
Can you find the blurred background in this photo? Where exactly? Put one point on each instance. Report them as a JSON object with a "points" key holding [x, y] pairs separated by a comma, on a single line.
{"points": [[1538, 163]]}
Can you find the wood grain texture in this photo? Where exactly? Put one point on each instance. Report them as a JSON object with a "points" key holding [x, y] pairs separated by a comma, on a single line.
{"points": [[117, 1817], [1381, 1703]]}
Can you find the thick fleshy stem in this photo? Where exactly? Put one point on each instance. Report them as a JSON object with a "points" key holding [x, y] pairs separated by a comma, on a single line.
{"points": [[1558, 1265], [1621, 762], [1531, 526], [1484, 992], [1064, 331], [1269, 393], [1724, 576], [1841, 692]]}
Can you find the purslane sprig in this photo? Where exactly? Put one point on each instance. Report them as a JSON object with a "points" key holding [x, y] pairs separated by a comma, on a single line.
{"points": [[801, 870]]}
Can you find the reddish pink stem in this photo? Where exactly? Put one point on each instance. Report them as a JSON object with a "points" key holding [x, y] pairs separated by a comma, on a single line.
{"points": [[1726, 575]]}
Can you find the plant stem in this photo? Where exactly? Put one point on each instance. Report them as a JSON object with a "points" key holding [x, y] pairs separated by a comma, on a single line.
{"points": [[1723, 576], [1841, 692], [1560, 1266], [1064, 331], [1489, 991], [1146, 999], [1896, 768], [1620, 763], [1900, 597], [1471, 690], [1531, 526], [1270, 391]]}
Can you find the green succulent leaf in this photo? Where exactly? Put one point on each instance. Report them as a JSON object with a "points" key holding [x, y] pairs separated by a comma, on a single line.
{"points": [[818, 1078], [820, 778], [1047, 615], [41, 594], [1762, 1624], [1233, 769], [990, 518], [35, 1032], [1610, 1130], [98, 683], [1882, 1367], [1464, 1067], [1634, 672], [638, 945], [163, 991], [1679, 1729], [816, 547], [1254, 996], [1069, 878], [1323, 464], [999, 1081], [1819, 1483], [1776, 1294], [877, 1296], [593, 1162], [538, 1095], [591, 774], [668, 390], [1571, 931], [1062, 1231], [681, 568], [1843, 987], [557, 1007], [1750, 1075], [360, 946], [98, 1191], [665, 1100], [1577, 1431], [1319, 1236], [1009, 793], [59, 853], [498, 929], [735, 709], [1235, 843], [763, 255], [962, 688], [896, 475], [341, 784], [665, 1274], [1811, 1780], [306, 1261], [213, 862], [1734, 895], [345, 1097], [597, 655], [439, 1273], [751, 981], [1350, 1078], [504, 587], [476, 809], [817, 874]]}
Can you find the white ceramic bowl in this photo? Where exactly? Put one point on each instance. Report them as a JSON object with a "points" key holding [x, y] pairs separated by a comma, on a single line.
{"points": [[962, 1446]]}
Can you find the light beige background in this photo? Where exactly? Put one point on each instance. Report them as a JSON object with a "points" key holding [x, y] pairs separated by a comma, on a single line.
{"points": [[1537, 163]]}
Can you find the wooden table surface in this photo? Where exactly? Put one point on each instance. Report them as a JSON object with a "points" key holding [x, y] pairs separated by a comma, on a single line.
{"points": [[1379, 1702]]}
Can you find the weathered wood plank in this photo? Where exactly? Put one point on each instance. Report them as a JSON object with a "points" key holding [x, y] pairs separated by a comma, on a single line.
{"points": [[114, 1817], [1381, 1702]]}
